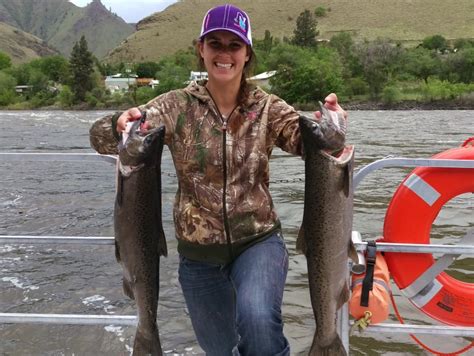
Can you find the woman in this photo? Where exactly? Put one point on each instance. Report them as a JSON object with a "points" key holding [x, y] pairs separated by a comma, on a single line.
{"points": [[220, 132]]}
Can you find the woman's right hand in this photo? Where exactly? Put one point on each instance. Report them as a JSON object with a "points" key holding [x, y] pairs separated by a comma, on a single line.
{"points": [[132, 114]]}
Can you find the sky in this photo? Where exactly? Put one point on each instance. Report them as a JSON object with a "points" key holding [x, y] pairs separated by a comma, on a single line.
{"points": [[131, 10]]}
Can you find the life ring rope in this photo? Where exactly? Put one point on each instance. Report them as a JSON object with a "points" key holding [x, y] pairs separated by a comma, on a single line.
{"points": [[421, 343]]}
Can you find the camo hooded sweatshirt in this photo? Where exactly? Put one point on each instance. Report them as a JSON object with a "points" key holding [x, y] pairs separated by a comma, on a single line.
{"points": [[223, 204]]}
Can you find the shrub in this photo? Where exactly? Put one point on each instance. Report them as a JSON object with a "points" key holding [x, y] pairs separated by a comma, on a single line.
{"points": [[65, 97], [320, 11], [391, 94]]}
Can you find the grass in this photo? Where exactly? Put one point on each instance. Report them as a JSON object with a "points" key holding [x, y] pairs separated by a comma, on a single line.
{"points": [[407, 21]]}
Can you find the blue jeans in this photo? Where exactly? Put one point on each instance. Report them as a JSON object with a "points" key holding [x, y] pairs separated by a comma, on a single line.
{"points": [[235, 309]]}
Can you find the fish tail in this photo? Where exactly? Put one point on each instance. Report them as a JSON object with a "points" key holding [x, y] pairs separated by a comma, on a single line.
{"points": [[336, 348], [147, 344]]}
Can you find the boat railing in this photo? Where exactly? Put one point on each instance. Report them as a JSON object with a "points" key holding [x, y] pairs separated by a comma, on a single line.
{"points": [[63, 319], [344, 322]]}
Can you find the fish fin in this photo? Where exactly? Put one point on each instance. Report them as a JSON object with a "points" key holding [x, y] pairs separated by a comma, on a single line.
{"points": [[117, 252], [127, 289], [301, 242], [347, 180], [353, 253], [336, 348], [348, 176], [344, 296], [162, 246]]}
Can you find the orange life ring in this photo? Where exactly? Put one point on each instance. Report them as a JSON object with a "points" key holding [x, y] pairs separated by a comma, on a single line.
{"points": [[409, 218]]}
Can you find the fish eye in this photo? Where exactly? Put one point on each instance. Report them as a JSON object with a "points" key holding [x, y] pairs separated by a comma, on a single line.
{"points": [[148, 140]]}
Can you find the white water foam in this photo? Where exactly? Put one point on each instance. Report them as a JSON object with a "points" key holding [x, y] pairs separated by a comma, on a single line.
{"points": [[16, 282], [99, 302]]}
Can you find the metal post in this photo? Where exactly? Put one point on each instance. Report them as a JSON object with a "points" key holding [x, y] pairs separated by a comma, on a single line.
{"points": [[89, 240], [67, 319]]}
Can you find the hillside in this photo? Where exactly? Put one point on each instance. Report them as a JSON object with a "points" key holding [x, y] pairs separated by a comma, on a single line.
{"points": [[21, 46], [61, 23], [408, 21]]}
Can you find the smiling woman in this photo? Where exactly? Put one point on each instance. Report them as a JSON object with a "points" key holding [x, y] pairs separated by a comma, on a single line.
{"points": [[221, 133]]}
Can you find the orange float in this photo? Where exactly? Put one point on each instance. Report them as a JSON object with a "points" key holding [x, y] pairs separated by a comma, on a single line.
{"points": [[378, 301], [410, 215]]}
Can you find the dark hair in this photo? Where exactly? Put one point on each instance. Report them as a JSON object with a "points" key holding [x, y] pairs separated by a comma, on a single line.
{"points": [[249, 66]]}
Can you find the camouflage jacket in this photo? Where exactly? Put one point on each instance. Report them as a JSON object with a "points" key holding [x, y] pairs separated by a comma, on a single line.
{"points": [[223, 204]]}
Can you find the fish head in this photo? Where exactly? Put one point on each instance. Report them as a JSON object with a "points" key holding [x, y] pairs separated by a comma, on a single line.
{"points": [[311, 133], [142, 146], [322, 134]]}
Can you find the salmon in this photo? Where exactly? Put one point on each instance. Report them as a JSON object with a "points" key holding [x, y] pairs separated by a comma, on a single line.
{"points": [[139, 236], [325, 234]]}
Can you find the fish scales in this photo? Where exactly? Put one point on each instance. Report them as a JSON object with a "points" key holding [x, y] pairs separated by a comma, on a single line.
{"points": [[139, 236], [325, 234]]}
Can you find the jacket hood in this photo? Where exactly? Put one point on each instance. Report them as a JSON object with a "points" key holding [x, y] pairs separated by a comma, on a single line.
{"points": [[199, 91]]}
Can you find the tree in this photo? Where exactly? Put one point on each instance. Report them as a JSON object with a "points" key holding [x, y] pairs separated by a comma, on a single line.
{"points": [[422, 63], [305, 32], [147, 69], [171, 76], [379, 61], [460, 66], [5, 61], [267, 41], [344, 45], [55, 68], [311, 78], [7, 89], [81, 63], [436, 42]]}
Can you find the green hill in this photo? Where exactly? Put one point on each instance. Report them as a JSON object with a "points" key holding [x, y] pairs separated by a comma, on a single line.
{"points": [[408, 21], [61, 23], [21, 46]]}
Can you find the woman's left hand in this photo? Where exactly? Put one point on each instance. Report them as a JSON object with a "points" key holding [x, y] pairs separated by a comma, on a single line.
{"points": [[330, 102]]}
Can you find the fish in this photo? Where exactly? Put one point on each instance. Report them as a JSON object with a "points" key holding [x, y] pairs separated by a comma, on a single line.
{"points": [[139, 235], [325, 233]]}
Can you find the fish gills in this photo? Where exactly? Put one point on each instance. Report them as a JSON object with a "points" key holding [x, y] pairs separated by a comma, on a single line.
{"points": [[139, 236], [325, 234]]}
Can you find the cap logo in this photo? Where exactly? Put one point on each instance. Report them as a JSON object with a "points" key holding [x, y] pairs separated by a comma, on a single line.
{"points": [[241, 21]]}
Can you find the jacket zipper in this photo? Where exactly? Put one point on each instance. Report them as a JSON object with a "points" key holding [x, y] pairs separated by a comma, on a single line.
{"points": [[224, 186], [224, 167]]}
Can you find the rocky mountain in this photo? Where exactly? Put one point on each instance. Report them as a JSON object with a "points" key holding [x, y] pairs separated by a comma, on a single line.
{"points": [[21, 46], [61, 23], [407, 21]]}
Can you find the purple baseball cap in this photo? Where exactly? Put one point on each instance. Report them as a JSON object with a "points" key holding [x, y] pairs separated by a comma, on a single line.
{"points": [[227, 18]]}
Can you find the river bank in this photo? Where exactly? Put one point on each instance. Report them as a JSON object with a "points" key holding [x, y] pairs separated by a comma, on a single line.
{"points": [[412, 105], [455, 104]]}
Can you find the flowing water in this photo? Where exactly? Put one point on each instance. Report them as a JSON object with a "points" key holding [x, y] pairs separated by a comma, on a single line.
{"points": [[76, 199]]}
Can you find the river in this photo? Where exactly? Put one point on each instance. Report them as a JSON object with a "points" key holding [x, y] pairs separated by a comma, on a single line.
{"points": [[76, 199]]}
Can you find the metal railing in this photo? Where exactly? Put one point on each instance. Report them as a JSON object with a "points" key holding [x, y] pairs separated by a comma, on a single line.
{"points": [[344, 322], [344, 327], [70, 319]]}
